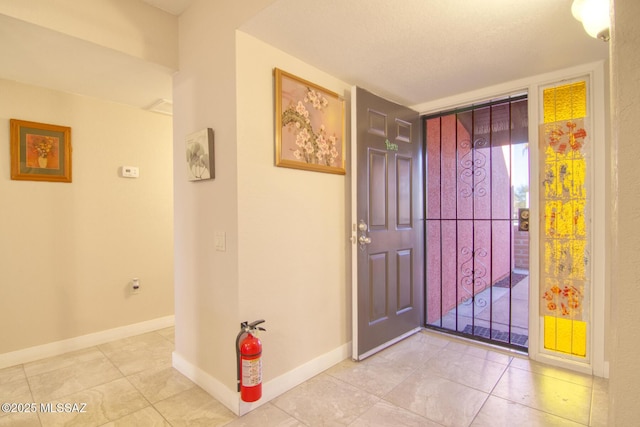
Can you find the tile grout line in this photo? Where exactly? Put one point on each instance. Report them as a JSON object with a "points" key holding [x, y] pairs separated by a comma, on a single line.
{"points": [[490, 394], [538, 409], [26, 378]]}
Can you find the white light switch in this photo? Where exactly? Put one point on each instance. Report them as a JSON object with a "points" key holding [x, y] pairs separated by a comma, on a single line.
{"points": [[130, 172], [220, 241]]}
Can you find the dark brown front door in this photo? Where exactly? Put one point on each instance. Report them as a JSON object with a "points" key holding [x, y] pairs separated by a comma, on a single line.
{"points": [[389, 232]]}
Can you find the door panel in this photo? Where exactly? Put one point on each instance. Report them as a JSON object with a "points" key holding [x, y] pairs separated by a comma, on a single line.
{"points": [[388, 299], [377, 189]]}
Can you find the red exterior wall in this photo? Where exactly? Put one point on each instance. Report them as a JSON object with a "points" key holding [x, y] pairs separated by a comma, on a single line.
{"points": [[468, 210]]}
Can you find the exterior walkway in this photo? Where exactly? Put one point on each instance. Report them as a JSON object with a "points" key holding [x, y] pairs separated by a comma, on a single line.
{"points": [[495, 316]]}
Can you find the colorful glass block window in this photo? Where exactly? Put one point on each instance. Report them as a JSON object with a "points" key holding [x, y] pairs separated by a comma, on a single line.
{"points": [[564, 240]]}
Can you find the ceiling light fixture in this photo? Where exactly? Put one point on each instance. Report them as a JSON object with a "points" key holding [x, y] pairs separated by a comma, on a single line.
{"points": [[594, 15]]}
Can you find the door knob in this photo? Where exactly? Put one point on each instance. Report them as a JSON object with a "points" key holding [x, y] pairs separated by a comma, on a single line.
{"points": [[364, 240]]}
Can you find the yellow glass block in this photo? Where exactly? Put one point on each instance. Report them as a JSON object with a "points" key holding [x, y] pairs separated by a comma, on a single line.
{"points": [[579, 347], [550, 333], [565, 102], [565, 335]]}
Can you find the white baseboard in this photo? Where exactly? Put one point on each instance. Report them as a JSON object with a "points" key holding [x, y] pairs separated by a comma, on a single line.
{"points": [[208, 383], [271, 389], [84, 341]]}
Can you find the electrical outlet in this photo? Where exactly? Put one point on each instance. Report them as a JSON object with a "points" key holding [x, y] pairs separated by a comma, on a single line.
{"points": [[135, 286]]}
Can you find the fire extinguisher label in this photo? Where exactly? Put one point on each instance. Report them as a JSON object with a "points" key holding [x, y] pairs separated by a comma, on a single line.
{"points": [[251, 372]]}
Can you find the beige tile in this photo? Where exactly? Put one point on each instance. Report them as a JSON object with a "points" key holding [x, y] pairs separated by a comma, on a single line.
{"points": [[147, 417], [552, 371], [168, 333], [414, 351], [143, 339], [433, 338], [475, 372], [478, 351], [71, 379], [96, 406], [376, 375], [265, 416], [562, 398], [66, 360], [325, 400], [14, 387], [438, 399], [194, 407], [130, 356], [498, 412], [29, 419], [383, 414], [600, 403], [158, 384], [12, 373]]}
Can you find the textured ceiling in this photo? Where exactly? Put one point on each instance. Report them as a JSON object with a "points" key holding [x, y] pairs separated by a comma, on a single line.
{"points": [[415, 51], [174, 7]]}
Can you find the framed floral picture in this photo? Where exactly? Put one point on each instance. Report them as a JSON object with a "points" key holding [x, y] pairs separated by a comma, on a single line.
{"points": [[200, 155], [309, 125], [40, 152]]}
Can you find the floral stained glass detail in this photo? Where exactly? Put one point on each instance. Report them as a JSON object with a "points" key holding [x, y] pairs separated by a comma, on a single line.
{"points": [[565, 281]]}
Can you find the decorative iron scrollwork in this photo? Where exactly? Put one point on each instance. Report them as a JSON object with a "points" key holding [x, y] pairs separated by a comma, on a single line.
{"points": [[473, 171], [473, 274]]}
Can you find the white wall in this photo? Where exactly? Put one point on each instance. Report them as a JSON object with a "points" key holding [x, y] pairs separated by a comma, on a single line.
{"points": [[285, 258], [293, 241], [206, 280], [624, 385], [69, 250]]}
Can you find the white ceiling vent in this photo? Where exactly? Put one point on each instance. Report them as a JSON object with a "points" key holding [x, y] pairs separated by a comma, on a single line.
{"points": [[162, 106]]}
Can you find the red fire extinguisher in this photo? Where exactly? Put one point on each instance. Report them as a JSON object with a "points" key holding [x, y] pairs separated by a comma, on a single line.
{"points": [[249, 361]]}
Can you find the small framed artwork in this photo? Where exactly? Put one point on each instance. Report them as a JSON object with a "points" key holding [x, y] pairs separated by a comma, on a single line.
{"points": [[40, 152], [309, 125], [200, 155]]}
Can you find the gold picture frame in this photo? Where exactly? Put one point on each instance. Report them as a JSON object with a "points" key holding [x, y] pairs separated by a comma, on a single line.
{"points": [[40, 151], [309, 125]]}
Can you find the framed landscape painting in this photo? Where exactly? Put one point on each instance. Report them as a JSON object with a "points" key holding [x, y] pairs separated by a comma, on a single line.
{"points": [[309, 125]]}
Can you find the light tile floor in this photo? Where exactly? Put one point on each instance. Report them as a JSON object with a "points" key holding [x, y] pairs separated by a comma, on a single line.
{"points": [[426, 380]]}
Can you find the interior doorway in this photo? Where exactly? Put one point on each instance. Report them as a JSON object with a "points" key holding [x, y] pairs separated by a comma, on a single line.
{"points": [[476, 222]]}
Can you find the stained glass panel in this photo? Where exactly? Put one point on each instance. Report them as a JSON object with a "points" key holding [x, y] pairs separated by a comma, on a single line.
{"points": [[564, 234]]}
